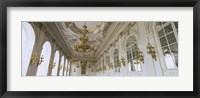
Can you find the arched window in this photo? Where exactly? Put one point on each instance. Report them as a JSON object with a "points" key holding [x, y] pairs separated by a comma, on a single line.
{"points": [[69, 68], [61, 66], [131, 47], [56, 61], [168, 36], [28, 40], [43, 67], [116, 60], [66, 67]]}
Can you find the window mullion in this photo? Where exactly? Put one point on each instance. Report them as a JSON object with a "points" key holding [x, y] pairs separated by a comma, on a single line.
{"points": [[175, 31]]}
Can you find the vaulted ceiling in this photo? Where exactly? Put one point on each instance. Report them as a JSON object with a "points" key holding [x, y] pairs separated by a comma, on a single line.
{"points": [[67, 34]]}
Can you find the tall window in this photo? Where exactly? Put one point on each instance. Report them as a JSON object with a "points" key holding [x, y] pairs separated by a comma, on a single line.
{"points": [[61, 66], [43, 67], [69, 68], [66, 65], [131, 47], [168, 35], [28, 40], [56, 61], [116, 61]]}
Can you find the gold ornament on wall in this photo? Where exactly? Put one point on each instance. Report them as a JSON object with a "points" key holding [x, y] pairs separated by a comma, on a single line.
{"points": [[52, 64], [93, 60], [139, 56], [122, 61], [72, 59], [34, 57], [119, 64], [41, 59], [110, 66], [122, 33], [107, 66], [104, 67], [60, 67], [151, 51]]}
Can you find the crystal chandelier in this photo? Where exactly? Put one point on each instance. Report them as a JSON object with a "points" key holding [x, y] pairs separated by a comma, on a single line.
{"points": [[83, 46]]}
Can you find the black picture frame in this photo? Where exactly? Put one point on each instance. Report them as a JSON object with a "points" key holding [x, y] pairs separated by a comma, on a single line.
{"points": [[100, 3]]}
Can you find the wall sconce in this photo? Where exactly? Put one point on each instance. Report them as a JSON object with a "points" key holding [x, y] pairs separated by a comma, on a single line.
{"points": [[34, 57], [60, 67], [41, 60], [52, 64], [107, 66], [123, 61], [151, 51], [118, 64], [139, 56], [110, 66]]}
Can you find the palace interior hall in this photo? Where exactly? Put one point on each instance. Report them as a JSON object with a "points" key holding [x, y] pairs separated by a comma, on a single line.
{"points": [[99, 48]]}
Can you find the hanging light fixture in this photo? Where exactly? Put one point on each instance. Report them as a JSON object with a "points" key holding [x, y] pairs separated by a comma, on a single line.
{"points": [[83, 46]]}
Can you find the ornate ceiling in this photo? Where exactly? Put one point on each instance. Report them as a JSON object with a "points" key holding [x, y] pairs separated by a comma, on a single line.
{"points": [[71, 32]]}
